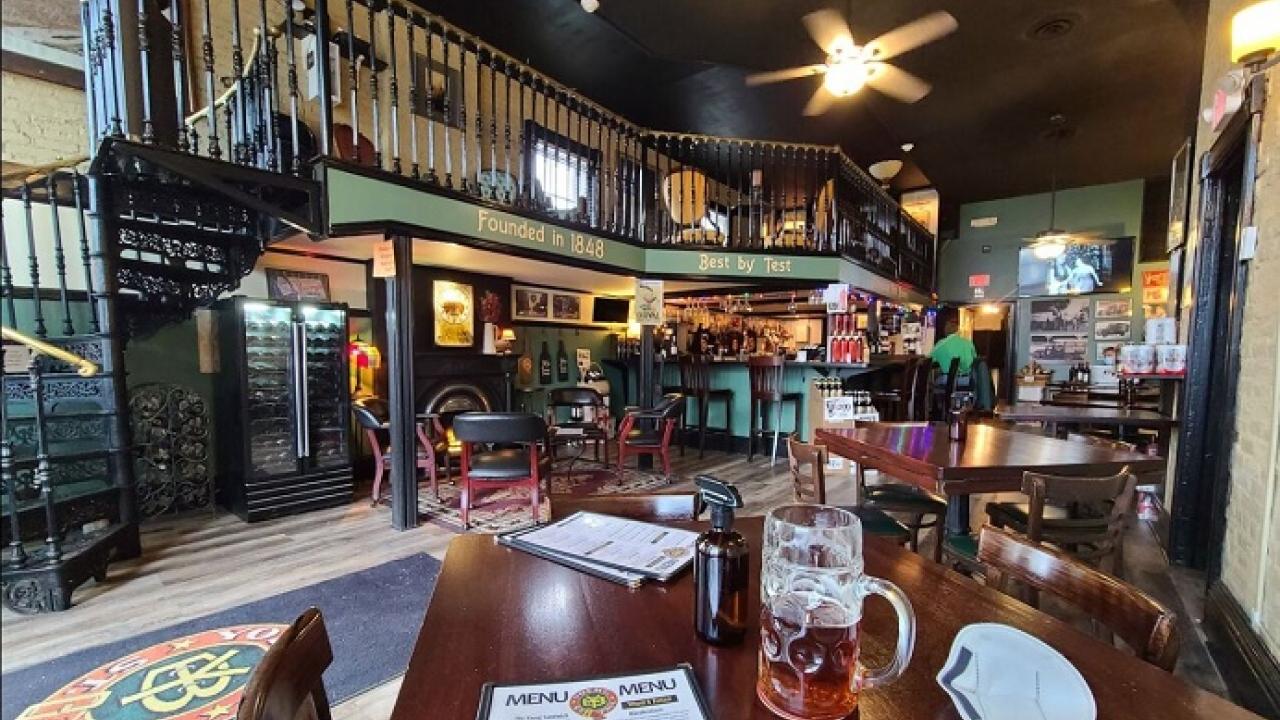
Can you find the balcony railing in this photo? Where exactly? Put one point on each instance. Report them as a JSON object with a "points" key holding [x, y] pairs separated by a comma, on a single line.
{"points": [[413, 97]]}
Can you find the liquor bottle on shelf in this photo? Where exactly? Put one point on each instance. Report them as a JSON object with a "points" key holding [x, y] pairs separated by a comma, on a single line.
{"points": [[562, 362], [544, 365]]}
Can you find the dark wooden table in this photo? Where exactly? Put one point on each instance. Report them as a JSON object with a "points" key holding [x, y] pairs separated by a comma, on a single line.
{"points": [[991, 459], [1116, 416], [502, 615]]}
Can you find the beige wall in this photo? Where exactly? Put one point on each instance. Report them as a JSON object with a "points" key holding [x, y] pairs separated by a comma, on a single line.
{"points": [[1251, 553], [41, 122]]}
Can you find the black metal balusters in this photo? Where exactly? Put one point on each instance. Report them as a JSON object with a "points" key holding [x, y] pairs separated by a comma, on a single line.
{"points": [[33, 262], [144, 59], [236, 148], [416, 166], [109, 51], [6, 281], [493, 122], [83, 236], [446, 120], [295, 162], [43, 473], [17, 553], [463, 128], [268, 74], [373, 87], [59, 257], [511, 198], [479, 155], [393, 90], [429, 96], [353, 78], [687, 177]]}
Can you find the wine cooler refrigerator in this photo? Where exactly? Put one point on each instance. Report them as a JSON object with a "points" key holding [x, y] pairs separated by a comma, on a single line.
{"points": [[283, 407]]}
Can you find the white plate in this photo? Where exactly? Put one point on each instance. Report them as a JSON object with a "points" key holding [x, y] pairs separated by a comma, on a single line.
{"points": [[996, 672]]}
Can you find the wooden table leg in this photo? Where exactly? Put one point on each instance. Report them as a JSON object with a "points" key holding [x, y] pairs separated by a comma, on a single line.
{"points": [[958, 515]]}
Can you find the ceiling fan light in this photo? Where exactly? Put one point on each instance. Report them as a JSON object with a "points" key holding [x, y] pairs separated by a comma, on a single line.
{"points": [[845, 78], [1050, 250]]}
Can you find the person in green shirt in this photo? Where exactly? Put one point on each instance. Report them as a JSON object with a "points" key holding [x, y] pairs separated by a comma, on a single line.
{"points": [[954, 345]]}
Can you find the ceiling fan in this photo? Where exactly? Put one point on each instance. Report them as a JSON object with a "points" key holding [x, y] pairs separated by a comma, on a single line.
{"points": [[1051, 243], [849, 66]]}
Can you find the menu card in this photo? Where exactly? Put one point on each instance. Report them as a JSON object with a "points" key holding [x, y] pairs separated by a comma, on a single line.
{"points": [[631, 546], [670, 694]]}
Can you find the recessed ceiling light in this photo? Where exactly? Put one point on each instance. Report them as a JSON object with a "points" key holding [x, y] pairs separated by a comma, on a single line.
{"points": [[591, 5], [908, 147]]}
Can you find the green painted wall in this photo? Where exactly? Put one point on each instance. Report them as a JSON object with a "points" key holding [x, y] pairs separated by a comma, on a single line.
{"points": [[529, 338], [1114, 209]]}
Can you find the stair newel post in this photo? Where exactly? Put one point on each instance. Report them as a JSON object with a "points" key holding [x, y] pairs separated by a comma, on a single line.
{"points": [[178, 56], [59, 256], [144, 58], [102, 254], [393, 89], [290, 58], [353, 78], [210, 86], [77, 186], [33, 263], [506, 137], [415, 167], [43, 473], [429, 100], [109, 51], [446, 118], [493, 117], [373, 85]]}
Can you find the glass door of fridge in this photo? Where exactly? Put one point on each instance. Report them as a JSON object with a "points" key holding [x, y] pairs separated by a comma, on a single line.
{"points": [[269, 377], [326, 385]]}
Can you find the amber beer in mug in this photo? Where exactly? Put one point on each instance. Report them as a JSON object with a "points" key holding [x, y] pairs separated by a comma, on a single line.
{"points": [[811, 592]]}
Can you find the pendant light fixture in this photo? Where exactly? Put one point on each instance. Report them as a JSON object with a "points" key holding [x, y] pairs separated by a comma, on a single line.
{"points": [[1051, 242]]}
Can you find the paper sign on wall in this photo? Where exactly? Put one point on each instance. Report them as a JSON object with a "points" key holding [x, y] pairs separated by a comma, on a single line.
{"points": [[649, 302], [837, 409], [384, 259]]}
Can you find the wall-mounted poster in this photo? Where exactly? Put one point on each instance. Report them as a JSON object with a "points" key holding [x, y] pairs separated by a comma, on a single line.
{"points": [[455, 314], [649, 302], [566, 307], [1155, 287], [1113, 309], [1060, 348], [1065, 315], [296, 285], [531, 304], [1111, 330]]}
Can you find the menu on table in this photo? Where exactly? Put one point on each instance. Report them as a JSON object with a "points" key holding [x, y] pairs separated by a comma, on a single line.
{"points": [[669, 694], [651, 550]]}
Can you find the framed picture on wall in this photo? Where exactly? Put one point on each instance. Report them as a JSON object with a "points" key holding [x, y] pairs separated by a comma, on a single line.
{"points": [[566, 307], [455, 313], [1113, 309], [1111, 330], [1179, 194], [1060, 315], [296, 285], [530, 303], [1059, 348]]}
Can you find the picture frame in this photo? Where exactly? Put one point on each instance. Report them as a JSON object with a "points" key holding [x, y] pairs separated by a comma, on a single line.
{"points": [[1179, 197], [454, 307], [436, 82], [1118, 309], [285, 284], [566, 307], [1107, 330], [530, 303], [1060, 316]]}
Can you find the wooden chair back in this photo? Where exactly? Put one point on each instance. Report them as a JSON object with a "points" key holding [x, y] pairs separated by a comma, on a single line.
{"points": [[287, 683], [695, 374], [808, 471], [1097, 506], [650, 507], [765, 373], [1145, 625]]}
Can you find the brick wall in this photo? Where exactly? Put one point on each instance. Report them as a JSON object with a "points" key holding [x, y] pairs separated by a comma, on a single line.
{"points": [[1251, 552], [42, 122]]}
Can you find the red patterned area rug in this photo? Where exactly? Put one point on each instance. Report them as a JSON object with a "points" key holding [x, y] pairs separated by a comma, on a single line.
{"points": [[503, 510]]}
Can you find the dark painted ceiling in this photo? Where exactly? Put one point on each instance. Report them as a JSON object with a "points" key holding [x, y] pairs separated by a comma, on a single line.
{"points": [[1126, 75]]}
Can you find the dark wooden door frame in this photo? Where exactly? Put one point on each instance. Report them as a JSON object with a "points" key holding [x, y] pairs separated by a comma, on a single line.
{"points": [[1208, 399]]}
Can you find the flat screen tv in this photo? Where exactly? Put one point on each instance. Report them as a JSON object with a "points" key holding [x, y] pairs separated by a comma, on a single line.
{"points": [[610, 310], [1103, 265]]}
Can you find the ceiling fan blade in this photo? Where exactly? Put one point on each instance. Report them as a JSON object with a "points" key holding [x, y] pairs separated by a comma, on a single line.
{"points": [[820, 102], [896, 82], [773, 76], [911, 36], [829, 30]]}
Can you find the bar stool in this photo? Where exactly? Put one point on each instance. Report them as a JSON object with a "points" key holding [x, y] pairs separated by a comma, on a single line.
{"points": [[766, 375], [695, 377]]}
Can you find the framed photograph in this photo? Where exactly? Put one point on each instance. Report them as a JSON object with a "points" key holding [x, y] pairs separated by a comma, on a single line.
{"points": [[296, 285], [1179, 192], [436, 84], [530, 303], [454, 313], [1060, 348], [1113, 309], [1060, 315], [566, 307], [1111, 330]]}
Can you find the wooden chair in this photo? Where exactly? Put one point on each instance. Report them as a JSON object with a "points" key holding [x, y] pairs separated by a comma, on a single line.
{"points": [[1145, 625], [373, 416], [524, 465], [655, 440], [650, 507], [1095, 511], [287, 683], [766, 374], [809, 484]]}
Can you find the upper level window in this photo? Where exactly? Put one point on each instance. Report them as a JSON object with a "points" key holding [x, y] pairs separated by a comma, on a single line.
{"points": [[564, 177]]}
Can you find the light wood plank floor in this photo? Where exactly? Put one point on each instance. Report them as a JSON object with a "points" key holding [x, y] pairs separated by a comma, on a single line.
{"points": [[200, 564]]}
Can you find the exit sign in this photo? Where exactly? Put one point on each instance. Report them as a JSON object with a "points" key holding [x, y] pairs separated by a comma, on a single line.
{"points": [[979, 281]]}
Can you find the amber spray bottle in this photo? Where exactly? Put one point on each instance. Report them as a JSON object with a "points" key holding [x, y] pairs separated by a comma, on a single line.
{"points": [[720, 568]]}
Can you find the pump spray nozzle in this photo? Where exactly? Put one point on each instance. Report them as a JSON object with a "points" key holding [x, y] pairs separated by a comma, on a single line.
{"points": [[722, 497]]}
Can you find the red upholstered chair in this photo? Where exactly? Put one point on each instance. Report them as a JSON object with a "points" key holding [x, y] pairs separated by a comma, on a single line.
{"points": [[516, 460], [653, 436], [373, 416]]}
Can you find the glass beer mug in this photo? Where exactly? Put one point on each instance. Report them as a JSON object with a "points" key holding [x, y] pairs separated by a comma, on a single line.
{"points": [[811, 593]]}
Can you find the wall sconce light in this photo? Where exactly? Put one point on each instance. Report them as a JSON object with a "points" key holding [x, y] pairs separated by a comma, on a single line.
{"points": [[1255, 35]]}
